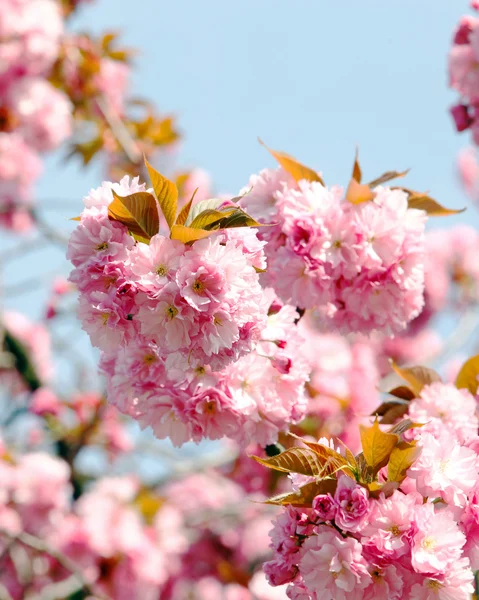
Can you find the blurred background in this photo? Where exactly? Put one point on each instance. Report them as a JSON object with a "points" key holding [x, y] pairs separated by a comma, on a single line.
{"points": [[313, 78]]}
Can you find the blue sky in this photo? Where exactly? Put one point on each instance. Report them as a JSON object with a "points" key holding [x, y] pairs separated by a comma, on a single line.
{"points": [[312, 77]]}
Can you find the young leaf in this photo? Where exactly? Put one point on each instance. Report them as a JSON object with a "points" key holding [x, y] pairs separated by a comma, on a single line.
{"points": [[431, 206], [295, 460], [305, 495], [377, 445], [166, 194], [185, 211], [199, 207], [386, 407], [209, 218], [416, 377], [385, 177], [467, 377], [187, 235], [394, 412], [358, 193], [138, 212], [404, 426], [377, 489], [402, 457], [235, 218], [402, 392], [293, 167], [357, 173], [332, 460]]}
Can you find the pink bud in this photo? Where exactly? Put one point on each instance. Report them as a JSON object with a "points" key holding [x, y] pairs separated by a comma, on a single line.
{"points": [[461, 117], [44, 401], [51, 311], [324, 507], [282, 364], [61, 286], [463, 30], [475, 4]]}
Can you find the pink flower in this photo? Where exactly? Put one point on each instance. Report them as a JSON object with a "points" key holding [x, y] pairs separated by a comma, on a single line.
{"points": [[98, 238], [438, 541], [154, 265], [212, 414], [386, 537], [443, 406], [45, 402], [457, 583], [386, 584], [444, 468], [332, 566], [30, 33], [324, 507], [353, 505], [44, 113]]}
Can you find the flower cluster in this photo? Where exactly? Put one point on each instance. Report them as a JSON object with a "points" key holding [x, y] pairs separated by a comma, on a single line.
{"points": [[400, 523], [463, 75], [360, 264], [252, 399], [35, 117], [187, 344], [198, 305], [105, 535]]}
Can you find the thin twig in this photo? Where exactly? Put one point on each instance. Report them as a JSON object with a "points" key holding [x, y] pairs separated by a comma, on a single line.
{"points": [[47, 231], [119, 130]]}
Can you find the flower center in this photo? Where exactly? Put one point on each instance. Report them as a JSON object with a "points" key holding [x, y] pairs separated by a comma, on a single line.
{"points": [[171, 312], [105, 317], [198, 287], [102, 246], [161, 270], [210, 407], [395, 530], [337, 244], [428, 543], [434, 585], [217, 321], [149, 358], [443, 465], [200, 370]]}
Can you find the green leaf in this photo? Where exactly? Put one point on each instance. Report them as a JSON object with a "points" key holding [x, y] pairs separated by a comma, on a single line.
{"points": [[467, 377], [187, 235], [138, 212], [402, 457], [305, 495], [416, 377], [293, 167], [377, 445], [296, 460], [166, 194]]}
